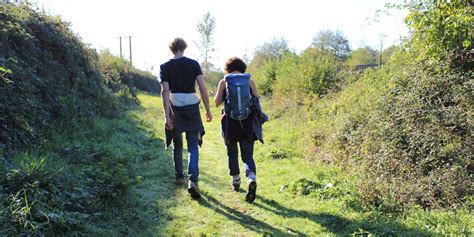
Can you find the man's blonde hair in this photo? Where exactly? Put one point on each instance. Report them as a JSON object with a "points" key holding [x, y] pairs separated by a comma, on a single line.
{"points": [[178, 44]]}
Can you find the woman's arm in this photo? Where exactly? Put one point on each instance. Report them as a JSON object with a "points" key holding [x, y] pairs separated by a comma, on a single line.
{"points": [[254, 88], [219, 97]]}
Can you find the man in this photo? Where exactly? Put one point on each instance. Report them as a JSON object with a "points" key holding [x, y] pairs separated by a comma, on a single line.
{"points": [[181, 104]]}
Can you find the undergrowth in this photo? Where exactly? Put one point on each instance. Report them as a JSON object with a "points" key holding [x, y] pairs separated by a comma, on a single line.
{"points": [[71, 185]]}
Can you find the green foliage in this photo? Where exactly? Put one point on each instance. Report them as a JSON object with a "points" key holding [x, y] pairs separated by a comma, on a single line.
{"points": [[63, 162], [388, 53], [124, 79], [440, 30], [414, 145], [52, 77], [421, 134], [405, 129], [334, 42], [323, 189], [362, 56], [206, 27], [212, 80], [269, 51], [266, 77], [312, 74], [144, 81], [73, 181], [278, 154], [441, 223]]}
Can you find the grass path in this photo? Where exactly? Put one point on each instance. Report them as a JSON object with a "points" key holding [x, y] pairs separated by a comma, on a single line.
{"points": [[168, 209]]}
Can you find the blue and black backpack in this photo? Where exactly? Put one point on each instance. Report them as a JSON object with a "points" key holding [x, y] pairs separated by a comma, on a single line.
{"points": [[238, 96]]}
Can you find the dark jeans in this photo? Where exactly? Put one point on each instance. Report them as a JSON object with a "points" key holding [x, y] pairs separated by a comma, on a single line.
{"points": [[193, 155], [246, 150]]}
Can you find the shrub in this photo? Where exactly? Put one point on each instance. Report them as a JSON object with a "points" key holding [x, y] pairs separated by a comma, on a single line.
{"points": [[278, 154], [322, 189], [417, 146], [60, 193], [312, 74], [124, 79], [53, 77]]}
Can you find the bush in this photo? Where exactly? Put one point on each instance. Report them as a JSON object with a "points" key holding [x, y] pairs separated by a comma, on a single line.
{"points": [[124, 79], [145, 81], [59, 173], [60, 193], [278, 154], [52, 78], [320, 188], [313, 74], [416, 146]]}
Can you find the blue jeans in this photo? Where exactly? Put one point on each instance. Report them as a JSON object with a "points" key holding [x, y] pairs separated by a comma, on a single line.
{"points": [[246, 150], [193, 155]]}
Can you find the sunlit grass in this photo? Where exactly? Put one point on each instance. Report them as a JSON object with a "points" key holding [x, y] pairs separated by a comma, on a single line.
{"points": [[277, 210]]}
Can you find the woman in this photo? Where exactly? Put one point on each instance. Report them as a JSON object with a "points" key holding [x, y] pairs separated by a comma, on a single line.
{"points": [[238, 131], [178, 78]]}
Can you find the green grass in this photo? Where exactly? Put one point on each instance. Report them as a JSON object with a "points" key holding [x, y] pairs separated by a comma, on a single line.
{"points": [[280, 208], [114, 178]]}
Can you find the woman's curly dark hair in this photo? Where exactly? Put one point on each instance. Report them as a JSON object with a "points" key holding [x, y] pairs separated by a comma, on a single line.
{"points": [[235, 64]]}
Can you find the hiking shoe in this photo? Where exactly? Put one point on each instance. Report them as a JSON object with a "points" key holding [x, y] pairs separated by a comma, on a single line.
{"points": [[193, 190], [251, 192], [236, 182], [179, 181]]}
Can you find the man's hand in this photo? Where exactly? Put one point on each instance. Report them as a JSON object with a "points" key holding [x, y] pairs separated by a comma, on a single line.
{"points": [[204, 96], [208, 117], [169, 123]]}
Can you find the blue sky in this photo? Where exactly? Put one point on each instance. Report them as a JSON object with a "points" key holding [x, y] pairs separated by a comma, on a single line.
{"points": [[241, 26]]}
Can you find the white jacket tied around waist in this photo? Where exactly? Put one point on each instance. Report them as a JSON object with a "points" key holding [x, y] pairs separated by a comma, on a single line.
{"points": [[183, 99]]}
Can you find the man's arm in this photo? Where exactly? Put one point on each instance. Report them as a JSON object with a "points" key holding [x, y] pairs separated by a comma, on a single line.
{"points": [[165, 95], [204, 96]]}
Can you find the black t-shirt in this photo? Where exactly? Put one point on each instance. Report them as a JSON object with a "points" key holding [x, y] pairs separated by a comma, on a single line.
{"points": [[181, 74]]}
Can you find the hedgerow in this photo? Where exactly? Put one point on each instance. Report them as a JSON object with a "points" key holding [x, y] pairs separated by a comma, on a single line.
{"points": [[53, 78], [65, 153]]}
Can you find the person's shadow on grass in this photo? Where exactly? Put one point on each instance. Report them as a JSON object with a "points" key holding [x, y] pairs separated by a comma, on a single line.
{"points": [[340, 225], [244, 220]]}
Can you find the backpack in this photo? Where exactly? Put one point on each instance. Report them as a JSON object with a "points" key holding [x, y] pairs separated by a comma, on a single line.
{"points": [[238, 96]]}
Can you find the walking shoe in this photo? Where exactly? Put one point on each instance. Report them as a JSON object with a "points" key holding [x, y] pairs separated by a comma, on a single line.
{"points": [[179, 181], [251, 191], [236, 182], [193, 190]]}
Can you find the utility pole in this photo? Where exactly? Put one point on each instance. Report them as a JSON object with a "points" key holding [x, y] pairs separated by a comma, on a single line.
{"points": [[120, 38], [130, 42], [130, 46], [381, 47]]}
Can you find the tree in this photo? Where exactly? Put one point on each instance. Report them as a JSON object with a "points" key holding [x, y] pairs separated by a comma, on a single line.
{"points": [[388, 52], [362, 56], [275, 49], [333, 41], [441, 30], [206, 28]]}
